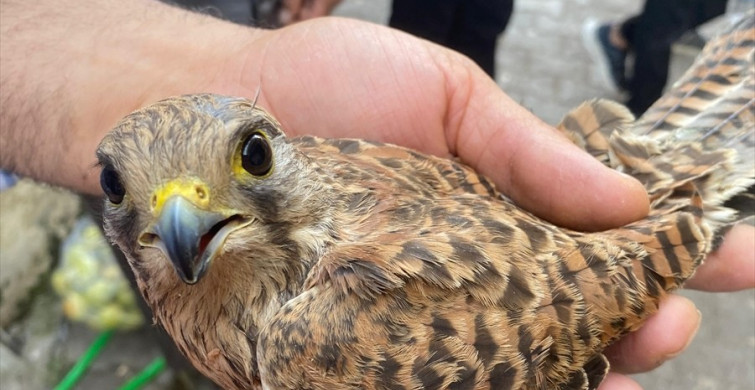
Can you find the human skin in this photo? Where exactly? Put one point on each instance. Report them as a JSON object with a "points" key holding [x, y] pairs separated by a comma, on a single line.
{"points": [[70, 70]]}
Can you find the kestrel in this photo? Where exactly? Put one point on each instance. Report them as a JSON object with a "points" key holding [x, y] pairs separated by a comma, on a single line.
{"points": [[308, 263]]}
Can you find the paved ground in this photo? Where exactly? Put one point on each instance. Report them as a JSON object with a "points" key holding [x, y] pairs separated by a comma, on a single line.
{"points": [[542, 65]]}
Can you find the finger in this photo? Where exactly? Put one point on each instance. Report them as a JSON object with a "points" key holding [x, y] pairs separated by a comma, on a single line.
{"points": [[539, 168], [614, 381], [732, 266], [663, 336]]}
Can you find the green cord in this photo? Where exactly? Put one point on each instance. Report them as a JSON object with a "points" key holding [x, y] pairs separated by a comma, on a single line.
{"points": [[84, 362], [146, 375], [142, 378]]}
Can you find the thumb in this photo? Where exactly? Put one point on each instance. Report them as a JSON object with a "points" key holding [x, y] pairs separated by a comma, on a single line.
{"points": [[535, 165]]}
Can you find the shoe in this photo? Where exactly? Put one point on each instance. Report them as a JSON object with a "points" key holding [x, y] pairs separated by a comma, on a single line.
{"points": [[609, 58]]}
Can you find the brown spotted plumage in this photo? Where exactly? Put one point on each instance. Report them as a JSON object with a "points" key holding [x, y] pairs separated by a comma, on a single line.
{"points": [[309, 263]]}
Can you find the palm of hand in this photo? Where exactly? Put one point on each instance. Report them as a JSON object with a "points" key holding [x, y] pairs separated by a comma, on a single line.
{"points": [[412, 93]]}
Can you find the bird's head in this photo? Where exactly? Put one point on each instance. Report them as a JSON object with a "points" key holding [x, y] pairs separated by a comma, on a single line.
{"points": [[199, 176]]}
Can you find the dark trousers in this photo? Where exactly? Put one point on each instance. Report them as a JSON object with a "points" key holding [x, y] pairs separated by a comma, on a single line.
{"points": [[471, 27], [650, 35]]}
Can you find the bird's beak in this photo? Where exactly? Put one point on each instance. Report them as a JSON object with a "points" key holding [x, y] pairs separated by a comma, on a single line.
{"points": [[186, 229]]}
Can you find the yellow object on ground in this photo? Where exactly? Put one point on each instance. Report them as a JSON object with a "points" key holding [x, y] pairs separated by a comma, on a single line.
{"points": [[92, 286]]}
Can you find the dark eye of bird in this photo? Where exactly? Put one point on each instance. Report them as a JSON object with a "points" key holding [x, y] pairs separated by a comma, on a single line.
{"points": [[256, 155], [111, 184]]}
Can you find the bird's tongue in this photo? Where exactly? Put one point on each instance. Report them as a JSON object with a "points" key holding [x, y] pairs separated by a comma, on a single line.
{"points": [[204, 241], [206, 238]]}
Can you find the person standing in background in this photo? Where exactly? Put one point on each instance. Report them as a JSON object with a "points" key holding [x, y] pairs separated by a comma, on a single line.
{"points": [[470, 27], [649, 37]]}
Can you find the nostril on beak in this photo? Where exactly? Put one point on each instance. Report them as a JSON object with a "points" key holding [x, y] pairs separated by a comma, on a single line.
{"points": [[201, 193]]}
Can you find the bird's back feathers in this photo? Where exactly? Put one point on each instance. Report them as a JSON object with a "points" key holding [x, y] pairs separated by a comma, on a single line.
{"points": [[413, 272]]}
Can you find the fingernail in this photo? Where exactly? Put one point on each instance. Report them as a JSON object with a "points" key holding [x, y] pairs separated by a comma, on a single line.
{"points": [[689, 340]]}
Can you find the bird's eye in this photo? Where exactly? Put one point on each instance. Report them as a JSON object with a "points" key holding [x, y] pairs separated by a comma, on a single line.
{"points": [[111, 184], [256, 155]]}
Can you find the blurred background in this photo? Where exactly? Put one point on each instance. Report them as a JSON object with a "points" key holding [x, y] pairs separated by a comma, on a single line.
{"points": [[540, 62]]}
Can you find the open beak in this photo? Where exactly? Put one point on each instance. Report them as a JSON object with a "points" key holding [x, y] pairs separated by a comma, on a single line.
{"points": [[186, 230]]}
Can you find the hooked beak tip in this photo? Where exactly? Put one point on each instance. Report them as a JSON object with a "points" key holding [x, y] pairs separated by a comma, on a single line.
{"points": [[189, 236]]}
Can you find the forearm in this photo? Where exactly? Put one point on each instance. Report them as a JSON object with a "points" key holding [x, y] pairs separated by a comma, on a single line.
{"points": [[71, 69], [327, 77]]}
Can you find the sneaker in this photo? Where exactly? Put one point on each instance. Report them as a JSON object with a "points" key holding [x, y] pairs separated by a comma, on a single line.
{"points": [[610, 59]]}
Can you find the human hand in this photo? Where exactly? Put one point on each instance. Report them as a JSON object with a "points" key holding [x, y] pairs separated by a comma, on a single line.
{"points": [[326, 76], [437, 102], [430, 99], [351, 79], [298, 10]]}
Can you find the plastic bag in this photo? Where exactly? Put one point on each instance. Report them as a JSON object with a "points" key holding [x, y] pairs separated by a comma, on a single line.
{"points": [[91, 283]]}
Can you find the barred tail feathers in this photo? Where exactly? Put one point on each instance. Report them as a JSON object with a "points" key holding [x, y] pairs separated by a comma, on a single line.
{"points": [[591, 124], [654, 256], [711, 109], [721, 75], [702, 131]]}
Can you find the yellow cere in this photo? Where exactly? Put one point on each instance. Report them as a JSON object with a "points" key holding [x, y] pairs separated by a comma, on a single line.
{"points": [[193, 190]]}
